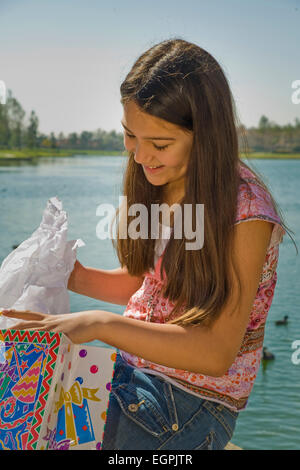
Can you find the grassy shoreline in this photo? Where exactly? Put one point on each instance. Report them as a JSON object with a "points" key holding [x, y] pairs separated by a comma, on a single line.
{"points": [[29, 154], [33, 154]]}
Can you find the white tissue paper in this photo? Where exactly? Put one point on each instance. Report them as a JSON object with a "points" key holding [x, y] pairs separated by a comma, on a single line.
{"points": [[35, 275]]}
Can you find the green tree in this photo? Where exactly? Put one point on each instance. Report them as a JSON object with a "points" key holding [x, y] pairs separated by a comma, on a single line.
{"points": [[32, 131], [264, 123], [40, 140], [73, 139], [15, 114], [4, 127], [45, 142], [53, 141], [85, 139]]}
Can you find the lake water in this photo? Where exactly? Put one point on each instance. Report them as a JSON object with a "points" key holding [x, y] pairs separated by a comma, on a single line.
{"points": [[272, 418]]}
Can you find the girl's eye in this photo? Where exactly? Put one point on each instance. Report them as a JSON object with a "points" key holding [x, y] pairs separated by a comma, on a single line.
{"points": [[163, 147]]}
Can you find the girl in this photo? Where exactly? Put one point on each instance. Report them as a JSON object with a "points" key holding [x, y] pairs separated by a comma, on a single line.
{"points": [[190, 340]]}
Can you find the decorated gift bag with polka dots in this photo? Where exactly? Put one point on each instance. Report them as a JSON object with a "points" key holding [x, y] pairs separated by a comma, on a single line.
{"points": [[53, 394]]}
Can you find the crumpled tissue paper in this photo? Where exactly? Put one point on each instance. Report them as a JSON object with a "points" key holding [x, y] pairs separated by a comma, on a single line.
{"points": [[35, 275]]}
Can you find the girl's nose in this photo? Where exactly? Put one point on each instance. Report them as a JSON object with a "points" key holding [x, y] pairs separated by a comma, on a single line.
{"points": [[140, 155]]}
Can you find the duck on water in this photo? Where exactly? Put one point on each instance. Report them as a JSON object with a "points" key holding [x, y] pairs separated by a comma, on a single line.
{"points": [[267, 355], [282, 322]]}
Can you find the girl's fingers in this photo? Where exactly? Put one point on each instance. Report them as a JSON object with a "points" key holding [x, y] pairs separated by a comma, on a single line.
{"points": [[25, 326], [38, 328], [29, 325], [24, 314]]}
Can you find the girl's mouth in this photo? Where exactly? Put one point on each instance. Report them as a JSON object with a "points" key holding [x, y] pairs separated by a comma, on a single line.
{"points": [[153, 170]]}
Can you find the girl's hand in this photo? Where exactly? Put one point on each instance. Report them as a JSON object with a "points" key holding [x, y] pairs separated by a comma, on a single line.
{"points": [[79, 327]]}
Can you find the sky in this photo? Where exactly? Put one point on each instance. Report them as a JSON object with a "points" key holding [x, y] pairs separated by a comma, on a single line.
{"points": [[66, 59]]}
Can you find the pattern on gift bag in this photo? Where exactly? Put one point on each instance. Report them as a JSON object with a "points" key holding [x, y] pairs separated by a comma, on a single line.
{"points": [[53, 394], [82, 398], [27, 362], [74, 419], [53, 444]]}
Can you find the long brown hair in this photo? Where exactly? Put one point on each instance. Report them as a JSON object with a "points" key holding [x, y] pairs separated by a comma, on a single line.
{"points": [[183, 84]]}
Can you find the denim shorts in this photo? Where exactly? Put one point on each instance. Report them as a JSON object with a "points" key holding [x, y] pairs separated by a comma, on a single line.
{"points": [[148, 413]]}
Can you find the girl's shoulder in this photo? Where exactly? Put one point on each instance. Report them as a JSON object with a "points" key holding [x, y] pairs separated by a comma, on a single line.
{"points": [[255, 203]]}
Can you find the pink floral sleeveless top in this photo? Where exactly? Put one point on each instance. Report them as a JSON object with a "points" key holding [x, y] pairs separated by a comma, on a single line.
{"points": [[233, 388]]}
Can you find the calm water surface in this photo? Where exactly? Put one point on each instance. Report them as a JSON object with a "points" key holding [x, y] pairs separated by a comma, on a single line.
{"points": [[272, 418]]}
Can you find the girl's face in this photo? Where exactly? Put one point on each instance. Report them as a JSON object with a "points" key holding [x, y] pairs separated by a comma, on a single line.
{"points": [[157, 143]]}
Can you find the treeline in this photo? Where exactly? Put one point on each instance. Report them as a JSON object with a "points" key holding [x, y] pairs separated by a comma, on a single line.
{"points": [[17, 132], [270, 137]]}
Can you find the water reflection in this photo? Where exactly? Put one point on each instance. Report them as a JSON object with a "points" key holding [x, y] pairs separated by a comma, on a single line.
{"points": [[32, 161]]}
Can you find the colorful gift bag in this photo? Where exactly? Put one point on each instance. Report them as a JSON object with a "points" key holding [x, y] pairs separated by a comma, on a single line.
{"points": [[53, 394]]}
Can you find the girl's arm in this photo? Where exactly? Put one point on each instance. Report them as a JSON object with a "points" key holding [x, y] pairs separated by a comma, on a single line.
{"points": [[115, 286], [199, 349]]}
